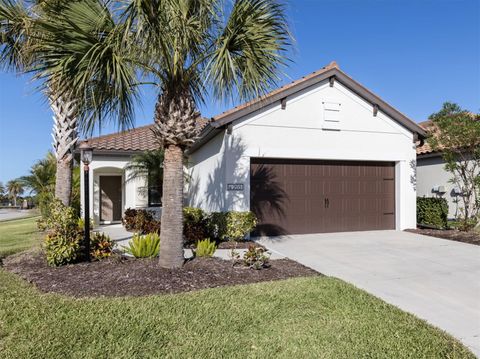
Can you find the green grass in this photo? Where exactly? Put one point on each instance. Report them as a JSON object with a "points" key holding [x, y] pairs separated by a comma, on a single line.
{"points": [[17, 235], [317, 317]]}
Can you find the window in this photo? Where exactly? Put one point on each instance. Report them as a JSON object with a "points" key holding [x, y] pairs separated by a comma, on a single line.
{"points": [[154, 191]]}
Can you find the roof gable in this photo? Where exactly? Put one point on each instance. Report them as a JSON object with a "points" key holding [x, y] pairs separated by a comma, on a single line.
{"points": [[330, 72]]}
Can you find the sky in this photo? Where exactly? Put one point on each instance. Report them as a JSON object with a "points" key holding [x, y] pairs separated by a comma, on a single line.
{"points": [[415, 54]]}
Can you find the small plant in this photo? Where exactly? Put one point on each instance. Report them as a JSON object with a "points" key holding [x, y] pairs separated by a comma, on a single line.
{"points": [[140, 221], [101, 246], [231, 225], [194, 225], [239, 224], [62, 242], [205, 248], [432, 211], [256, 257], [61, 250], [144, 246]]}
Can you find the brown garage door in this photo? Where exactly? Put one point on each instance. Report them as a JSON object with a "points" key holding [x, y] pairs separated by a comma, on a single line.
{"points": [[303, 196]]}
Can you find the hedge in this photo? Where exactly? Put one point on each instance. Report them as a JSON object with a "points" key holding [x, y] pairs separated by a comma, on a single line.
{"points": [[432, 211]]}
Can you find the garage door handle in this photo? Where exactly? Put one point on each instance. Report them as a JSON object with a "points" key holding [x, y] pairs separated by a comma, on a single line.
{"points": [[388, 213], [327, 203]]}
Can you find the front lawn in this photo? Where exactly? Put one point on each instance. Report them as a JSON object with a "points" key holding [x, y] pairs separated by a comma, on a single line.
{"points": [[17, 235], [297, 318]]}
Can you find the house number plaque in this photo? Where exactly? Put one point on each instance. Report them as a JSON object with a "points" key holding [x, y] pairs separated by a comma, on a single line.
{"points": [[235, 187]]}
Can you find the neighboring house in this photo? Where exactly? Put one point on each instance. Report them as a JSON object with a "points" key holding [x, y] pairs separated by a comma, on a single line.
{"points": [[321, 154], [432, 178]]}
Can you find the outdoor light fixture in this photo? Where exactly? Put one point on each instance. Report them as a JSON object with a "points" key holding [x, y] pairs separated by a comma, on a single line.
{"points": [[86, 155]]}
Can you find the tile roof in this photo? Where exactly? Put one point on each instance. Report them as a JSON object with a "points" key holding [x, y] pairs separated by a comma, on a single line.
{"points": [[137, 139], [429, 127]]}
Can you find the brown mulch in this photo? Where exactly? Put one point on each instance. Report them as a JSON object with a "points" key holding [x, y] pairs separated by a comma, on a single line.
{"points": [[238, 245], [452, 234], [120, 276]]}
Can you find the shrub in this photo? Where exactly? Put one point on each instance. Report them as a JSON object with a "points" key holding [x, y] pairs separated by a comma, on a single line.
{"points": [[205, 248], [61, 250], [239, 224], [101, 246], [256, 257], [195, 225], [141, 221], [62, 243], [432, 211], [231, 225], [144, 246], [217, 225]]}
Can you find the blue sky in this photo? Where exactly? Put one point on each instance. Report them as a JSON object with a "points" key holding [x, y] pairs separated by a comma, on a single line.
{"points": [[414, 54]]}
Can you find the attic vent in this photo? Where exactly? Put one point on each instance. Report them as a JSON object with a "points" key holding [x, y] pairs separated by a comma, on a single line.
{"points": [[331, 115]]}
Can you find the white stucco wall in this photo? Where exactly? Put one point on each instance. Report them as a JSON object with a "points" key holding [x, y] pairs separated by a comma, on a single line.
{"points": [[104, 165], [431, 173], [299, 132]]}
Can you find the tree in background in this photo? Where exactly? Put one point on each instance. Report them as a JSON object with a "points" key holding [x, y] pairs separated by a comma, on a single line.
{"points": [[149, 165], [456, 134], [14, 188], [41, 181], [192, 50], [2, 192]]}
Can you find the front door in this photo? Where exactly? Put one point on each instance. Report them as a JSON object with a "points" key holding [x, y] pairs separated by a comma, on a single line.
{"points": [[110, 198]]}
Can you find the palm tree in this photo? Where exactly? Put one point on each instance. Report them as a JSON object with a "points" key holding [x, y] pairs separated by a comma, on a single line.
{"points": [[41, 181], [15, 188], [192, 50], [2, 191], [20, 40], [148, 164]]}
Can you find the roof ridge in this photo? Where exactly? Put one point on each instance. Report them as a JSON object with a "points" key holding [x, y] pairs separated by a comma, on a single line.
{"points": [[331, 65]]}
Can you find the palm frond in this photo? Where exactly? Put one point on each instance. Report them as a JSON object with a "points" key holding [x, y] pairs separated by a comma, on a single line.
{"points": [[250, 50]]}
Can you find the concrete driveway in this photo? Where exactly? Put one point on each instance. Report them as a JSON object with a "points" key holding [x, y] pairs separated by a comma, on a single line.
{"points": [[435, 279]]}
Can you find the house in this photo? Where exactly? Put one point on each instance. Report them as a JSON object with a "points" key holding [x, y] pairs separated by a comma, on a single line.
{"points": [[321, 154], [432, 178]]}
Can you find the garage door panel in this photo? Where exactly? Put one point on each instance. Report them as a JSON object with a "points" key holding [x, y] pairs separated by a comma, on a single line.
{"points": [[327, 196]]}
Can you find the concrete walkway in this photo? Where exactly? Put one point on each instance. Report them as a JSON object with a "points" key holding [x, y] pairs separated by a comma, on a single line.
{"points": [[435, 279]]}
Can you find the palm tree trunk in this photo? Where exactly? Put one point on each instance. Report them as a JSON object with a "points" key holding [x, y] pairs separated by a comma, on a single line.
{"points": [[176, 118], [64, 136], [171, 247], [63, 181]]}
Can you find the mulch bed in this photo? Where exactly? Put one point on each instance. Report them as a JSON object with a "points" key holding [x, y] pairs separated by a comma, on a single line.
{"points": [[120, 276], [452, 234]]}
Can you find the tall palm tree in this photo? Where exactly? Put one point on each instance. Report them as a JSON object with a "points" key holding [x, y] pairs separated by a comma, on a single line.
{"points": [[192, 50], [20, 41], [15, 188]]}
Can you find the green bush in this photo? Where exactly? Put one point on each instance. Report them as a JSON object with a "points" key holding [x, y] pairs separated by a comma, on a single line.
{"points": [[432, 211], [195, 225], [61, 250], [140, 221], [144, 246], [256, 257], [239, 224], [231, 225], [101, 246], [205, 248], [217, 225], [62, 243]]}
